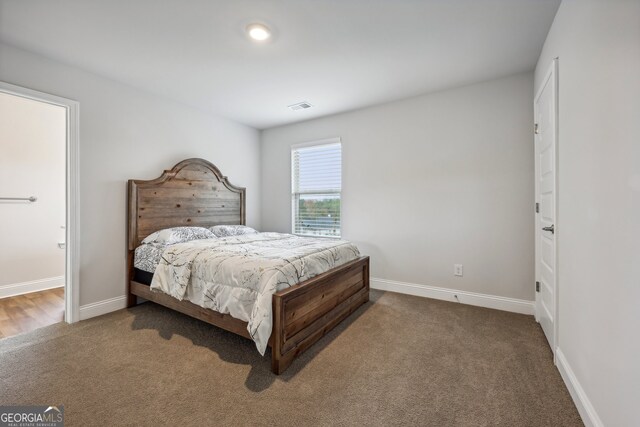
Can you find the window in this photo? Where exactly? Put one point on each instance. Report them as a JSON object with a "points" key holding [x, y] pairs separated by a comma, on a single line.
{"points": [[316, 175]]}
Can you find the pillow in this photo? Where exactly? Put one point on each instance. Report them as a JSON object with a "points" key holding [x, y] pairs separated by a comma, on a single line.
{"points": [[231, 230], [171, 236]]}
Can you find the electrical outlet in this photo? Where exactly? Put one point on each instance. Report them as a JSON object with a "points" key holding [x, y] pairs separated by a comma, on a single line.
{"points": [[457, 270]]}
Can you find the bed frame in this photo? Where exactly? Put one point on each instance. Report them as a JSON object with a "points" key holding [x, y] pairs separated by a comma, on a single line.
{"points": [[195, 193]]}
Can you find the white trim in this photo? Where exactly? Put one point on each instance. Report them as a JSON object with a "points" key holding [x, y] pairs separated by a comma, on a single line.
{"points": [[481, 300], [550, 77], [72, 247], [317, 142], [31, 286], [99, 308], [588, 413]]}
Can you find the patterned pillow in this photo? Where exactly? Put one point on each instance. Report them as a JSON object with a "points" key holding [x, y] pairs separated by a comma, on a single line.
{"points": [[171, 236], [231, 230]]}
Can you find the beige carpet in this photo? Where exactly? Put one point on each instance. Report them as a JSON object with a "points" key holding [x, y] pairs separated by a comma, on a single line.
{"points": [[399, 360]]}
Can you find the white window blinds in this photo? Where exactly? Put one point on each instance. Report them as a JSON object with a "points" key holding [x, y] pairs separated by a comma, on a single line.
{"points": [[316, 187]]}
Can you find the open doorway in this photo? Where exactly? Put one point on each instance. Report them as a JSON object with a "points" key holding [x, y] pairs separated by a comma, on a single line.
{"points": [[38, 210]]}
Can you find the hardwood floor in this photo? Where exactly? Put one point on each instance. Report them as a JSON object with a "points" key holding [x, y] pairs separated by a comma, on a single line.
{"points": [[24, 313]]}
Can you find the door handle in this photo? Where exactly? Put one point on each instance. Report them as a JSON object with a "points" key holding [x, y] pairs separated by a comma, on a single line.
{"points": [[550, 228]]}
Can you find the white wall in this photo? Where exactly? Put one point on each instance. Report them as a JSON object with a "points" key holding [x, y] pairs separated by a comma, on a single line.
{"points": [[428, 182], [126, 133], [598, 45], [32, 163]]}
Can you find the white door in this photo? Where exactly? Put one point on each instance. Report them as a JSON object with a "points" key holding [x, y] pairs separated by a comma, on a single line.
{"points": [[545, 109]]}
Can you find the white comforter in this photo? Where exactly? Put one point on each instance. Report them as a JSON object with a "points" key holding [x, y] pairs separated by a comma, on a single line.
{"points": [[238, 275]]}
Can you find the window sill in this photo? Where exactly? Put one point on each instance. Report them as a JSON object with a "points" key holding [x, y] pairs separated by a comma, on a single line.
{"points": [[317, 236]]}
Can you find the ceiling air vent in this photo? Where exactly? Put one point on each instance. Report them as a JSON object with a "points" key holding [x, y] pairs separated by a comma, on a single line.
{"points": [[300, 106]]}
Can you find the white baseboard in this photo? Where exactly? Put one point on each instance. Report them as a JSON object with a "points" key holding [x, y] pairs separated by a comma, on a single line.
{"points": [[588, 413], [464, 297], [32, 286], [102, 307]]}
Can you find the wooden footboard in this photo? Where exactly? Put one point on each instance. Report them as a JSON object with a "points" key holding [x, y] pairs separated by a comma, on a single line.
{"points": [[304, 313]]}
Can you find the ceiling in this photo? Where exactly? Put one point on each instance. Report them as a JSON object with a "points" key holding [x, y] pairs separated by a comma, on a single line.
{"points": [[338, 55]]}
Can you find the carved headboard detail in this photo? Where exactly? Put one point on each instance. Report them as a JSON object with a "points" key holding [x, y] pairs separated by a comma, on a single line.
{"points": [[192, 193]]}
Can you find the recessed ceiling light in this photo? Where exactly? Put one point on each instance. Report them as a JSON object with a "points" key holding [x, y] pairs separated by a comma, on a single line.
{"points": [[258, 32]]}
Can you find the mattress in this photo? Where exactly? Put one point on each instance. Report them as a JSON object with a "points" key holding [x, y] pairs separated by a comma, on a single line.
{"points": [[238, 275], [142, 276]]}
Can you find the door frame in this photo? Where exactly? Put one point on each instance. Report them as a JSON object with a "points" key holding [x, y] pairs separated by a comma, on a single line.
{"points": [[72, 203], [550, 76]]}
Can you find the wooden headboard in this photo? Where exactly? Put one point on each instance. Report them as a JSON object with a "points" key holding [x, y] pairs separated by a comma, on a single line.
{"points": [[192, 193]]}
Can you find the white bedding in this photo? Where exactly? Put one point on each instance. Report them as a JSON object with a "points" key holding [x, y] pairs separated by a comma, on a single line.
{"points": [[238, 275]]}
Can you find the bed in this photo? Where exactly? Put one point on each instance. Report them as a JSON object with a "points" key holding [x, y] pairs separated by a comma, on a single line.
{"points": [[195, 193]]}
